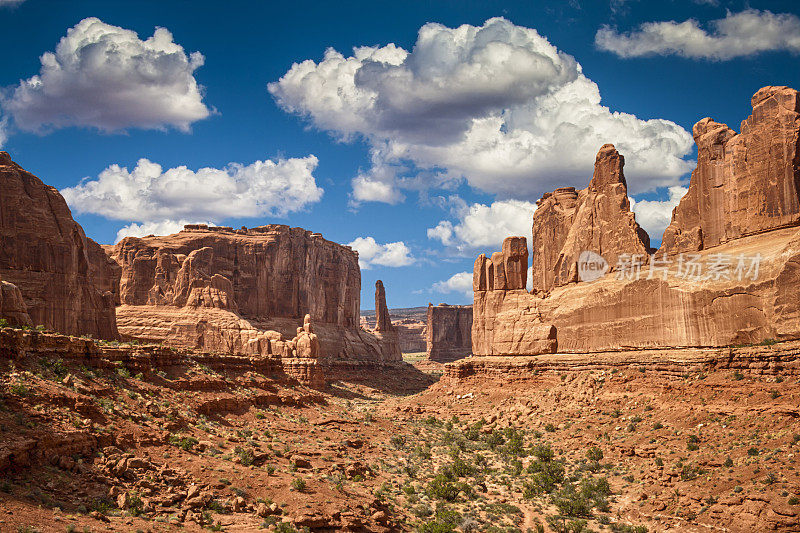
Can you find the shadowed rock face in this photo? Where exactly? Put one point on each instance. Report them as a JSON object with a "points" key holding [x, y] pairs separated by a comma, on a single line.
{"points": [[66, 281], [745, 183], [596, 219], [449, 332], [742, 204]]}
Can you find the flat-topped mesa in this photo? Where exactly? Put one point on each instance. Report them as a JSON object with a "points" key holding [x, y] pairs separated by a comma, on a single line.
{"points": [[449, 332], [66, 281], [746, 183], [382, 320], [246, 291], [596, 219], [267, 272]]}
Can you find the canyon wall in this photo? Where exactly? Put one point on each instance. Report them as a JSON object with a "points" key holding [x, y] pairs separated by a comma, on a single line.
{"points": [[65, 278], [449, 332], [740, 285], [745, 183], [220, 289]]}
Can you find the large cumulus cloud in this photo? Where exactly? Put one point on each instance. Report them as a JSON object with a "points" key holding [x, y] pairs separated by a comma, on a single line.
{"points": [[496, 105], [105, 77]]}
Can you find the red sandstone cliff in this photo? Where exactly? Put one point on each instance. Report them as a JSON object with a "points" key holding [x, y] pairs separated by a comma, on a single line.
{"points": [[745, 183], [597, 219], [742, 204], [239, 291], [63, 276]]}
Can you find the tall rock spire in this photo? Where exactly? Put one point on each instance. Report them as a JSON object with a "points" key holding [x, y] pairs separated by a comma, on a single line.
{"points": [[382, 320]]}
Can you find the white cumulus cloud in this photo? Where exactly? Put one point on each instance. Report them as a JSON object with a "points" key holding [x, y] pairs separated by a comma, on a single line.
{"points": [[161, 227], [460, 282], [740, 34], [496, 105], [654, 215], [105, 77], [371, 253], [483, 226], [148, 193]]}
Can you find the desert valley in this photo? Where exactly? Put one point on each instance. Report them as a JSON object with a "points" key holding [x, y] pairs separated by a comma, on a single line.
{"points": [[225, 379]]}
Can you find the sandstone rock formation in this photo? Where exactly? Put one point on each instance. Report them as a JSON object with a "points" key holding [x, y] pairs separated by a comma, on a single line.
{"points": [[449, 331], [740, 218], [382, 320], [12, 305], [245, 291], [502, 323], [745, 183], [596, 219], [64, 277]]}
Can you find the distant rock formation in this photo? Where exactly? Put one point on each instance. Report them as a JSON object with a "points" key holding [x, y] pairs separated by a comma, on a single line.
{"points": [[65, 278], [12, 305], [449, 332], [728, 270], [596, 219], [745, 183], [246, 291], [411, 328]]}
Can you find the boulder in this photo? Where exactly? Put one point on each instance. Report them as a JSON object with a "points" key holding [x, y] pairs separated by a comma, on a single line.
{"points": [[12, 305]]}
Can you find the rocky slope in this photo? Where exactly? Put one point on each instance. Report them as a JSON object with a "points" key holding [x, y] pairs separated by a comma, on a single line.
{"points": [[64, 277]]}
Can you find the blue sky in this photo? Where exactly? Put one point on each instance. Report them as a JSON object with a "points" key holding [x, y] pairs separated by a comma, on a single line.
{"points": [[423, 154]]}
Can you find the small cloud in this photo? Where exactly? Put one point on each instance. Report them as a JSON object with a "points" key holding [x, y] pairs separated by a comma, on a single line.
{"points": [[483, 226], [163, 227], [151, 194], [655, 215], [371, 253], [460, 282], [741, 34]]}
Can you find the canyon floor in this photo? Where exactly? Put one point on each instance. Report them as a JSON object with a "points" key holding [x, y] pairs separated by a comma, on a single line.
{"points": [[622, 447]]}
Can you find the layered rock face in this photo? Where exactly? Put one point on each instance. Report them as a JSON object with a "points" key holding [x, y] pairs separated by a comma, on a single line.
{"points": [[449, 332], [243, 291], [65, 279], [596, 219], [746, 183], [739, 283]]}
